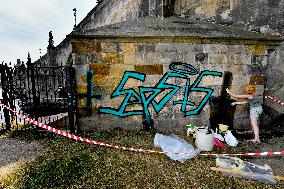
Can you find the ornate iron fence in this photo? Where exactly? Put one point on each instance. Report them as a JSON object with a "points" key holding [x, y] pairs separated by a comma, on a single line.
{"points": [[46, 93]]}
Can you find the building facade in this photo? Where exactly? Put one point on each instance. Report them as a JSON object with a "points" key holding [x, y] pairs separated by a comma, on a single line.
{"points": [[143, 39]]}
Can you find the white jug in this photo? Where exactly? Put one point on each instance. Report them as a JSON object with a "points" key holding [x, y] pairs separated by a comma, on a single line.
{"points": [[204, 141]]}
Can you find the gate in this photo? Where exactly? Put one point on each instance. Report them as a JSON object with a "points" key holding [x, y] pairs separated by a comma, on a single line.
{"points": [[46, 93]]}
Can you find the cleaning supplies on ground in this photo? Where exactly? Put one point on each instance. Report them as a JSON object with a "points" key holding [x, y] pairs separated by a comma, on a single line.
{"points": [[233, 166], [204, 139], [230, 139], [218, 143], [190, 129], [173, 144], [218, 136], [223, 128]]}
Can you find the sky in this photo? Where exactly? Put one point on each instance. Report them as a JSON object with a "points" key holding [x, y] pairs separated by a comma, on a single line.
{"points": [[25, 24]]}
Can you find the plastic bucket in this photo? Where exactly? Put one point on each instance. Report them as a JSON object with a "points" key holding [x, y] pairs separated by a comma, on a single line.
{"points": [[204, 142]]}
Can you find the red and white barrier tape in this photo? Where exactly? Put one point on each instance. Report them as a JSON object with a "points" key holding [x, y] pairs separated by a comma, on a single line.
{"points": [[77, 138], [275, 100]]}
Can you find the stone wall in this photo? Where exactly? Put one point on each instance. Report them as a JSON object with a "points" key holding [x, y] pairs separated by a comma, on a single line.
{"points": [[110, 12], [108, 60], [266, 16], [275, 82], [64, 54]]}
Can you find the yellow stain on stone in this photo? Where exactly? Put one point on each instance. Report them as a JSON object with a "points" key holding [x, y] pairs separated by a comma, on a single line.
{"points": [[128, 48], [79, 47], [81, 89], [118, 70], [84, 78], [82, 103], [257, 79], [256, 49], [100, 69], [149, 69], [208, 8], [112, 58], [99, 80]]}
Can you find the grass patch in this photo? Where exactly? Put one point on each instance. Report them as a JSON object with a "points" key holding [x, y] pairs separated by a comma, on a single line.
{"points": [[69, 164]]}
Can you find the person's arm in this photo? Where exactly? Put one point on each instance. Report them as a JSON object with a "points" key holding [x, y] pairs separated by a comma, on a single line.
{"points": [[235, 103], [238, 96]]}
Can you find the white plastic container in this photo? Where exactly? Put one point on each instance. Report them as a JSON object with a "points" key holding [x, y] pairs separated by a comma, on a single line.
{"points": [[204, 142]]}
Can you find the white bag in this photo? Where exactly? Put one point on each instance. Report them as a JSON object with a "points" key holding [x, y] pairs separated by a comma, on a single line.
{"points": [[174, 144], [230, 139], [218, 136]]}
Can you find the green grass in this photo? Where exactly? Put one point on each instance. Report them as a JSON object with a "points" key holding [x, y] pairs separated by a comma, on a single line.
{"points": [[64, 163]]}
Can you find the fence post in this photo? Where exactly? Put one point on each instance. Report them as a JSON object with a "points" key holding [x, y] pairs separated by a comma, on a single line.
{"points": [[31, 67], [70, 83], [4, 79]]}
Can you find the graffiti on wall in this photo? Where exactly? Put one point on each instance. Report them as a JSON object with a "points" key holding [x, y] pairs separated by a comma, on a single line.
{"points": [[146, 95]]}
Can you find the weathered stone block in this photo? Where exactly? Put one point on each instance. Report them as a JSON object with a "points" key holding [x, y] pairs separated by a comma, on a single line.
{"points": [[96, 89], [132, 83], [217, 59], [256, 49], [128, 48], [112, 58], [210, 49], [118, 70], [189, 58], [152, 80], [166, 47], [79, 59], [239, 79], [111, 47], [151, 58], [100, 69], [237, 69], [80, 47], [257, 79], [246, 59], [149, 69], [82, 89], [93, 58], [236, 49], [216, 67], [259, 59], [80, 70], [201, 58], [131, 59], [99, 80]]}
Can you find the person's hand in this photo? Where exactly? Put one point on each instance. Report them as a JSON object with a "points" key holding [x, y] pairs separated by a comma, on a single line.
{"points": [[233, 104]]}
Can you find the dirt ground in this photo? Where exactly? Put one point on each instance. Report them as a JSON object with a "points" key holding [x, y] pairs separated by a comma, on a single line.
{"points": [[14, 152], [275, 162]]}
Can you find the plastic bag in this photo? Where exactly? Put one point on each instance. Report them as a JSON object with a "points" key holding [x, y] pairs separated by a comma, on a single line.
{"points": [[246, 170], [218, 136], [230, 139], [255, 176], [174, 144], [218, 143]]}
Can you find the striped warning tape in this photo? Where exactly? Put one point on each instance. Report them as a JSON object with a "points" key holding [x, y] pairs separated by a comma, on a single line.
{"points": [[275, 100], [94, 142]]}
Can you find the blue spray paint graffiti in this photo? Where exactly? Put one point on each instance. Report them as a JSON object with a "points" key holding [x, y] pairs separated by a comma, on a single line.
{"points": [[145, 99]]}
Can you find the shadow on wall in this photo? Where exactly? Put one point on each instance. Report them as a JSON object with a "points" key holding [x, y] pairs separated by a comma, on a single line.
{"points": [[221, 110]]}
